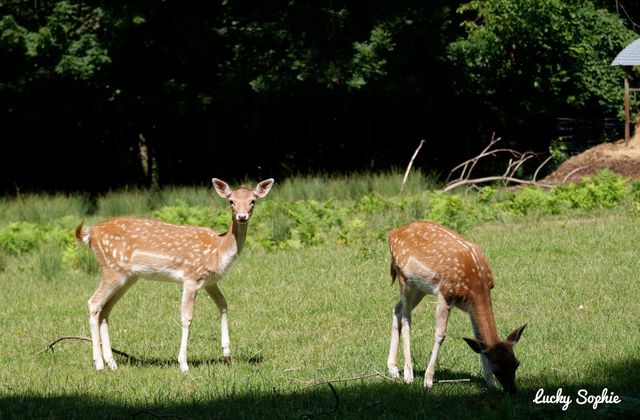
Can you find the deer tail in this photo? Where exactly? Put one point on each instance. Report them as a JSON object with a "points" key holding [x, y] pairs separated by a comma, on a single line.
{"points": [[393, 271], [82, 237]]}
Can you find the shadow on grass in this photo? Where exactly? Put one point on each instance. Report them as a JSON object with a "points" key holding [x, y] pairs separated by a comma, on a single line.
{"points": [[254, 360], [365, 398]]}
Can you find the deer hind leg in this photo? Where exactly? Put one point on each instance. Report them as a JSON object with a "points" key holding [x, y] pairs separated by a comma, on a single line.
{"points": [[107, 354], [217, 297], [442, 317], [189, 292], [111, 282], [410, 298]]}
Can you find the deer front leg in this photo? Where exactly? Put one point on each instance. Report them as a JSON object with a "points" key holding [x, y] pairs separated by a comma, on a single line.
{"points": [[486, 372], [188, 298], [486, 368], [442, 317], [396, 326], [221, 303]]}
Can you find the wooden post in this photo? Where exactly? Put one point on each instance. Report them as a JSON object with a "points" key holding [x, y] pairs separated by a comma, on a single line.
{"points": [[626, 111]]}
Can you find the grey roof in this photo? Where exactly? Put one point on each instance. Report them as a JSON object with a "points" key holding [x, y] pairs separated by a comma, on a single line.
{"points": [[629, 56]]}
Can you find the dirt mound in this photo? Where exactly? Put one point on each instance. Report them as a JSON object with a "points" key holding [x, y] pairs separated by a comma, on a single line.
{"points": [[620, 158]]}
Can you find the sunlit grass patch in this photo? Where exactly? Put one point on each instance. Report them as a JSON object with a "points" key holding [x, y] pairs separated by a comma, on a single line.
{"points": [[303, 315]]}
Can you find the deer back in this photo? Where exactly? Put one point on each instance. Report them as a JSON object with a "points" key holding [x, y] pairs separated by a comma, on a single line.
{"points": [[440, 258], [155, 249]]}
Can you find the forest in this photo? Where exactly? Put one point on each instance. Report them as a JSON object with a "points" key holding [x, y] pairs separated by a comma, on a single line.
{"points": [[98, 95]]}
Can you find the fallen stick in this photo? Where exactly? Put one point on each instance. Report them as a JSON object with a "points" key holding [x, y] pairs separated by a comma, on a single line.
{"points": [[81, 338], [450, 381]]}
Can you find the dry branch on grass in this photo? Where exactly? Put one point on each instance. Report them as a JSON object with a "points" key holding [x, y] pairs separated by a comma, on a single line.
{"points": [[81, 338], [508, 177], [406, 173]]}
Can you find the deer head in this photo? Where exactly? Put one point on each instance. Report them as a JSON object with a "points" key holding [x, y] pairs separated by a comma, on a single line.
{"points": [[502, 359], [242, 200]]}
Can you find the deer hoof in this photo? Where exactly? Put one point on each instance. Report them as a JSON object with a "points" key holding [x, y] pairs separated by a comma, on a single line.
{"points": [[408, 376], [112, 364]]}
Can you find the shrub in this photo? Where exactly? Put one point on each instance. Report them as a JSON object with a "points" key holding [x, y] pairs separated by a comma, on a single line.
{"points": [[183, 214], [457, 211], [80, 257], [604, 190], [20, 237], [634, 192], [373, 202], [534, 201]]}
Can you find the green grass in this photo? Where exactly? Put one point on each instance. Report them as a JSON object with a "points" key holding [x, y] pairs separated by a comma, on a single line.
{"points": [[304, 316]]}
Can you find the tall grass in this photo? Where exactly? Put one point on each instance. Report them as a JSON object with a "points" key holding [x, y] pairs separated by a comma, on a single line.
{"points": [[43, 208], [191, 196], [127, 203], [352, 186], [49, 261]]}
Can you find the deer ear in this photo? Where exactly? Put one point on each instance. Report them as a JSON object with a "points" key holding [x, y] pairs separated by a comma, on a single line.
{"points": [[221, 187], [476, 345], [515, 335], [263, 188]]}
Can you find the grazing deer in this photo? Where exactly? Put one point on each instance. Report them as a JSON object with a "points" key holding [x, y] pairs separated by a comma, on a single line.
{"points": [[128, 247], [429, 258]]}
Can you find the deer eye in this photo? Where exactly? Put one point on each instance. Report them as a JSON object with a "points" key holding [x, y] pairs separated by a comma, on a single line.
{"points": [[232, 203], [253, 202]]}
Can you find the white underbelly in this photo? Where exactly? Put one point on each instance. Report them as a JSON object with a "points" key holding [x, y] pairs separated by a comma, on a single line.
{"points": [[421, 276], [173, 275], [155, 266], [424, 285]]}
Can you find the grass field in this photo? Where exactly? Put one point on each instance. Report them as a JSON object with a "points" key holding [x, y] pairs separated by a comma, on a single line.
{"points": [[304, 317]]}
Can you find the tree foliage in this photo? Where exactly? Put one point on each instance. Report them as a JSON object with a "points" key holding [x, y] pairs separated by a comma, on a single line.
{"points": [[541, 57], [243, 88], [61, 39]]}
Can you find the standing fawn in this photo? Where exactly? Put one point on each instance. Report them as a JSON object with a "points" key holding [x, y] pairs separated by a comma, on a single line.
{"points": [[428, 258], [128, 247]]}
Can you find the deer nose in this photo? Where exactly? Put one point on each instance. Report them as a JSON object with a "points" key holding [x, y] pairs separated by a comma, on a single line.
{"points": [[242, 217]]}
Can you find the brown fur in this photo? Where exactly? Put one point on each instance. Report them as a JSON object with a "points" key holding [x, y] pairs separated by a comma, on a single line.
{"points": [[429, 258], [130, 247]]}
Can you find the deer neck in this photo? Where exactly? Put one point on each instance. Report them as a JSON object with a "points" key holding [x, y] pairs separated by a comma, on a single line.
{"points": [[235, 236], [482, 319]]}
